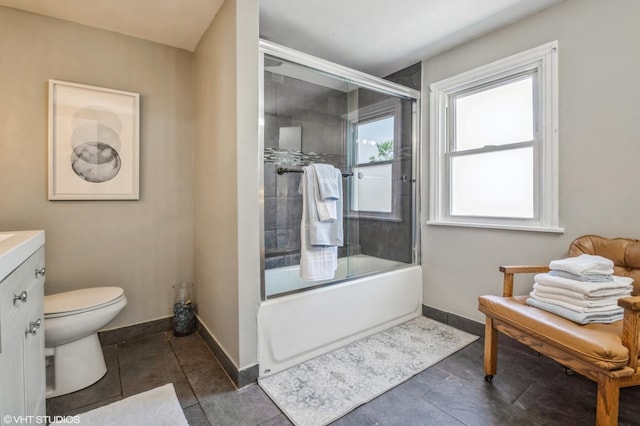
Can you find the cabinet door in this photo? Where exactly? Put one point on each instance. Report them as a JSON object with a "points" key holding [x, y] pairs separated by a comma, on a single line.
{"points": [[22, 379], [34, 369], [11, 368]]}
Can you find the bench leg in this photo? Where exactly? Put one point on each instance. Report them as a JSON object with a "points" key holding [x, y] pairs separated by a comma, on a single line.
{"points": [[608, 401], [490, 349]]}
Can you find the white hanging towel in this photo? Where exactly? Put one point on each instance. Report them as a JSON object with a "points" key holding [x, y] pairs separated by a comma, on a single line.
{"points": [[319, 240], [328, 189], [319, 233]]}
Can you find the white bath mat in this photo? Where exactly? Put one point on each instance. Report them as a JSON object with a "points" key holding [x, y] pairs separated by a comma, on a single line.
{"points": [[326, 388], [158, 406]]}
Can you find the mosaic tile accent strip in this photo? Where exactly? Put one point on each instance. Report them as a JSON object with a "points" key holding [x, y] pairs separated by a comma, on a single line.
{"points": [[299, 158]]}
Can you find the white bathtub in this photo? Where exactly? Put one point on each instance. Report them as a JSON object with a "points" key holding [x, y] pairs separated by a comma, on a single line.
{"points": [[287, 279], [298, 327]]}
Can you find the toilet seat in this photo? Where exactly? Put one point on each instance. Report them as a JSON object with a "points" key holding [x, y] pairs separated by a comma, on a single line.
{"points": [[78, 301]]}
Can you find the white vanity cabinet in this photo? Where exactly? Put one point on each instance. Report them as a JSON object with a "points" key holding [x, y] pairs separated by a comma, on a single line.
{"points": [[22, 370]]}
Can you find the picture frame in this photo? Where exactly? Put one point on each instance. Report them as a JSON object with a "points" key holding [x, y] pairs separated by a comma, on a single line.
{"points": [[94, 143]]}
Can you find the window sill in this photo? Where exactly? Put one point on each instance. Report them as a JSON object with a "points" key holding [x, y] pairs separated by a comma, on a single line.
{"points": [[553, 230], [382, 217]]}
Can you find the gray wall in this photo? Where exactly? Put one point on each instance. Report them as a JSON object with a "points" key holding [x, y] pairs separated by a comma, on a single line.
{"points": [[599, 127], [143, 246], [226, 182]]}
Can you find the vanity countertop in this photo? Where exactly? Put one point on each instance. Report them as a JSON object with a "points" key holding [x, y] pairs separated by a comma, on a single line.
{"points": [[16, 247]]}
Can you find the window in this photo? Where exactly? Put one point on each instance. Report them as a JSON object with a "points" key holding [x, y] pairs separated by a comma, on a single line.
{"points": [[376, 141], [494, 138]]}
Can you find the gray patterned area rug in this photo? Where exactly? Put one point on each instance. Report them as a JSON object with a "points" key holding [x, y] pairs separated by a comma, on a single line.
{"points": [[326, 388]]}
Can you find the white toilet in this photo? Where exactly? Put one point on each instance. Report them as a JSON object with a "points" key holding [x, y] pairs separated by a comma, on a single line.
{"points": [[72, 319]]}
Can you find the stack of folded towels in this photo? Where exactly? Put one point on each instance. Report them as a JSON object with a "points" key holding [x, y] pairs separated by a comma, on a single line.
{"points": [[582, 289]]}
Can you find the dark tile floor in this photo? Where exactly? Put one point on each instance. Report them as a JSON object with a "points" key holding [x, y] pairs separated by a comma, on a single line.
{"points": [[528, 390]]}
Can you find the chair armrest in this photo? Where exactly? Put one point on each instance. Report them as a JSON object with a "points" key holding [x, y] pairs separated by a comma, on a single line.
{"points": [[631, 327], [631, 303], [527, 269], [509, 270]]}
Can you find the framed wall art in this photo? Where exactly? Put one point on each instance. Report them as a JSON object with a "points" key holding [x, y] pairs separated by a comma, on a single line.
{"points": [[94, 143]]}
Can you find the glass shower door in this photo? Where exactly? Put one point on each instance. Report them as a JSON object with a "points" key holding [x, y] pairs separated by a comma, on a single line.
{"points": [[380, 205], [312, 116]]}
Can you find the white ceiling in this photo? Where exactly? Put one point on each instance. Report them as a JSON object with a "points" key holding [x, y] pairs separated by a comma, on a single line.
{"points": [[382, 36], [374, 36]]}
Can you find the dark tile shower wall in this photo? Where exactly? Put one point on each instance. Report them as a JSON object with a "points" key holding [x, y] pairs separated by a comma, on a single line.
{"points": [[318, 111], [282, 214]]}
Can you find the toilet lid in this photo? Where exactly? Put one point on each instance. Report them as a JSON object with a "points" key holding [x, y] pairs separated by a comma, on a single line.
{"points": [[76, 301]]}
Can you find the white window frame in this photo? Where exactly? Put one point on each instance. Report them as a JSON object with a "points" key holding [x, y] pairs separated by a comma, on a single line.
{"points": [[542, 60], [379, 110]]}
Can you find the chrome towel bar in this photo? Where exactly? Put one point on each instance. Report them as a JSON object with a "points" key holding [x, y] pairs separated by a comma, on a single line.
{"points": [[283, 170]]}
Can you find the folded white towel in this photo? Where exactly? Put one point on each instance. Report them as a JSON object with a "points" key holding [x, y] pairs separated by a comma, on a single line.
{"points": [[573, 306], [586, 288], [580, 318], [593, 278], [614, 292], [591, 303], [327, 190], [584, 264]]}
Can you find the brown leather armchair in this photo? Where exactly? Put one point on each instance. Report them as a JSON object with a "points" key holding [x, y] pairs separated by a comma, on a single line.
{"points": [[604, 353]]}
